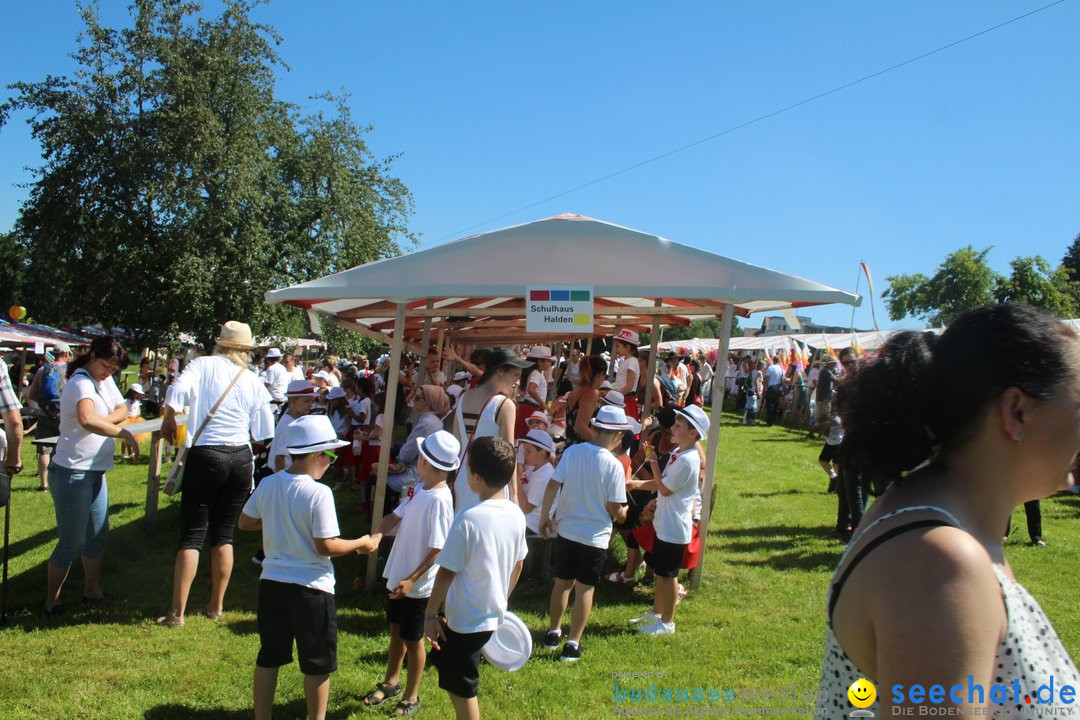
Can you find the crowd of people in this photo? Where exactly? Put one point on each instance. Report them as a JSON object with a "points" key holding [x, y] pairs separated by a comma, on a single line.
{"points": [[516, 448]]}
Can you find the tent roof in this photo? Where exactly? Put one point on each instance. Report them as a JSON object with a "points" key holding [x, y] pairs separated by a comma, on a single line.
{"points": [[478, 283]]}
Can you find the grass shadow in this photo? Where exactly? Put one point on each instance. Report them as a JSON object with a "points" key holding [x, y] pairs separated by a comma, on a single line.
{"points": [[295, 708]]}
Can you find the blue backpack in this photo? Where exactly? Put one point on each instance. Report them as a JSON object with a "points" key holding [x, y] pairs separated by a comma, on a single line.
{"points": [[52, 382]]}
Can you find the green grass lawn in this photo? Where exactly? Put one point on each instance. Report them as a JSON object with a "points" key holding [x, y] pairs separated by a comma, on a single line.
{"points": [[756, 623]]}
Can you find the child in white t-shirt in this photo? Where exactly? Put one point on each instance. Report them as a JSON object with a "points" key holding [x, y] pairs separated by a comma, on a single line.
{"points": [[300, 396], [591, 485], [537, 450], [299, 524], [673, 520], [479, 565], [422, 522]]}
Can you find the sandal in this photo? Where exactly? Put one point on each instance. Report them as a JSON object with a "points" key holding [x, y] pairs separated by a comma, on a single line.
{"points": [[210, 615], [620, 578], [405, 708], [387, 692], [169, 621]]}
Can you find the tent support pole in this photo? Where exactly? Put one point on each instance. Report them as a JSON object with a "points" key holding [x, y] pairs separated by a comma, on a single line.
{"points": [[588, 347], [650, 371], [387, 437], [711, 447], [425, 342]]}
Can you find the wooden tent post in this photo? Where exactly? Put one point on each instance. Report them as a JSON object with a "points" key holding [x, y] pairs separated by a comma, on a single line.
{"points": [[711, 447], [425, 342], [387, 437], [654, 339]]}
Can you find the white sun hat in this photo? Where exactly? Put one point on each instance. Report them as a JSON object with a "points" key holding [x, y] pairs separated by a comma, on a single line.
{"points": [[539, 438], [614, 397], [539, 352]]}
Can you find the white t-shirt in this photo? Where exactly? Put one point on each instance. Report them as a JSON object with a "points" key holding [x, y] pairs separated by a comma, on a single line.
{"points": [[277, 381], [294, 510], [591, 477], [78, 448], [537, 482], [377, 441], [774, 375], [134, 408], [246, 413], [425, 521], [455, 391], [483, 545], [341, 421], [626, 366], [538, 378], [361, 408], [812, 376], [673, 521], [296, 374], [277, 447]]}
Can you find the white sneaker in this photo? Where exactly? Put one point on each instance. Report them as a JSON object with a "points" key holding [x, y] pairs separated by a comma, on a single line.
{"points": [[648, 618], [658, 628]]}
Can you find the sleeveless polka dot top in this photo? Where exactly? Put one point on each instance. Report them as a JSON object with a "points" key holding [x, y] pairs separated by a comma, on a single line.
{"points": [[1030, 652]]}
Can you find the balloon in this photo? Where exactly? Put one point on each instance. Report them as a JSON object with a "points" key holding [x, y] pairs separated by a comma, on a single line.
{"points": [[16, 312]]}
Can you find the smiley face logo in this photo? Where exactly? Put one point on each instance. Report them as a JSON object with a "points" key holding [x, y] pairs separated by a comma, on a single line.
{"points": [[862, 693]]}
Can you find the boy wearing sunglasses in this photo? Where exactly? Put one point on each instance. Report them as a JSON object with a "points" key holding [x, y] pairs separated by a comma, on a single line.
{"points": [[298, 519]]}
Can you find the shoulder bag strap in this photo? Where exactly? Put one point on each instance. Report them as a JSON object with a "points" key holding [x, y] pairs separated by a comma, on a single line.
{"points": [[214, 409]]}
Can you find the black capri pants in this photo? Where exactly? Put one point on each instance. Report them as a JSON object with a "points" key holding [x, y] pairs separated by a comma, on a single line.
{"points": [[217, 483]]}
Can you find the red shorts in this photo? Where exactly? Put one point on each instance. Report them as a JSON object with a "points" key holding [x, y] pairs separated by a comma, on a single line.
{"points": [[369, 456]]}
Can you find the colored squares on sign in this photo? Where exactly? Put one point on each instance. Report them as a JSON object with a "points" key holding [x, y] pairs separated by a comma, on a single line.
{"points": [[540, 295], [582, 319], [563, 295], [580, 295]]}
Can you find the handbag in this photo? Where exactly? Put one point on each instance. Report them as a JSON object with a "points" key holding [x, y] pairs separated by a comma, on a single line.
{"points": [[175, 479]]}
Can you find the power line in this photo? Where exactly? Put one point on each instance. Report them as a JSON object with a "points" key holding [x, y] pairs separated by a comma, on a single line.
{"points": [[740, 126]]}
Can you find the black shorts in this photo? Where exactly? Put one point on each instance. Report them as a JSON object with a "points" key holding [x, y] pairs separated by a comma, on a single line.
{"points": [[665, 558], [637, 500], [408, 614], [458, 661], [288, 612], [830, 453], [47, 426], [217, 483], [574, 561]]}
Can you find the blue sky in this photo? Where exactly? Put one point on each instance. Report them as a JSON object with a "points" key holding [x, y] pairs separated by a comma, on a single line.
{"points": [[496, 105]]}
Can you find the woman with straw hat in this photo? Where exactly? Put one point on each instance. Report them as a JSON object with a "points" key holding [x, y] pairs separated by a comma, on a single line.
{"points": [[228, 406]]}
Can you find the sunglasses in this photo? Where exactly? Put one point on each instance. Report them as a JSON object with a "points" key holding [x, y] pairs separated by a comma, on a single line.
{"points": [[332, 456]]}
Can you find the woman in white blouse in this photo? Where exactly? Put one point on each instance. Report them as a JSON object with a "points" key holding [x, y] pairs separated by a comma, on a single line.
{"points": [[92, 414], [218, 472]]}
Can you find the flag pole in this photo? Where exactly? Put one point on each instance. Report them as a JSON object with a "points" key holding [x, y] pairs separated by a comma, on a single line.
{"points": [[858, 277]]}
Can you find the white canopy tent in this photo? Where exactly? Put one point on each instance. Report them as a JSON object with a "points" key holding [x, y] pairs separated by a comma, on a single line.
{"points": [[473, 290]]}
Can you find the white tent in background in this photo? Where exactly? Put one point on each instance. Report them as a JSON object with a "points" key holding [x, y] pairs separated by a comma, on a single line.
{"points": [[473, 291]]}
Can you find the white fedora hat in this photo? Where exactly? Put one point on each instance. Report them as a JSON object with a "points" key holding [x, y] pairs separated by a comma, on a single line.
{"points": [[539, 352], [235, 336], [614, 397], [336, 393], [441, 449], [697, 419], [300, 388], [539, 438], [137, 388], [273, 353], [311, 433], [510, 645], [610, 417]]}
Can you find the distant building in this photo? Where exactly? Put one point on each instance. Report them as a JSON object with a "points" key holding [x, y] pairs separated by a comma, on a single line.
{"points": [[780, 325]]}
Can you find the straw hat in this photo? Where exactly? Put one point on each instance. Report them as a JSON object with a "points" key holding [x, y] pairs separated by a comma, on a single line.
{"points": [[235, 336]]}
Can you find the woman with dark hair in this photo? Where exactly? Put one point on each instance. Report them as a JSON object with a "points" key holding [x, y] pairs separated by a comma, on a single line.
{"points": [[218, 474], [965, 427], [485, 412], [628, 372], [583, 400], [92, 414]]}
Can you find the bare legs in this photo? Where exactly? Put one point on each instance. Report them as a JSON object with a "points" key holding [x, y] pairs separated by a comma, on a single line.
{"points": [[187, 562], [579, 616]]}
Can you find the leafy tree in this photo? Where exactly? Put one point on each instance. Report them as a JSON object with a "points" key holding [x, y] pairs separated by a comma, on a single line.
{"points": [[12, 269], [1033, 282], [1071, 261], [963, 281], [176, 189]]}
